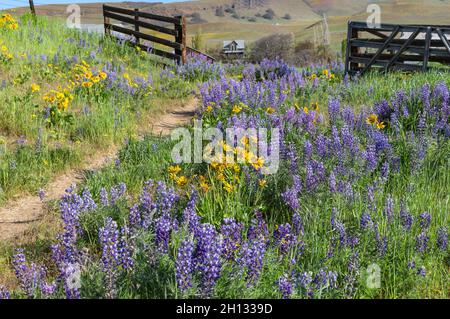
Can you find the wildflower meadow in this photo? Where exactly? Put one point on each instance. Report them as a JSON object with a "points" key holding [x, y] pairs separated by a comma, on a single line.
{"points": [[358, 206]]}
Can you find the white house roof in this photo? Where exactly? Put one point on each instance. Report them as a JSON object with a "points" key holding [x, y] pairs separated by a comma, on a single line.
{"points": [[240, 44]]}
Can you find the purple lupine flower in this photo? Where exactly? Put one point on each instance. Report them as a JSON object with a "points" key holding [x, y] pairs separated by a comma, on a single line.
{"points": [[232, 238], [297, 222], [385, 170], [252, 258], [307, 150], [117, 192], [421, 271], [340, 228], [125, 249], [425, 220], [284, 238], [258, 229], [371, 198], [334, 106], [285, 286], [4, 293], [381, 242], [185, 265], [412, 264], [31, 277], [325, 279], [290, 196], [332, 182], [442, 238], [134, 217], [405, 217], [353, 262], [388, 211], [104, 197], [422, 242], [190, 217], [371, 158], [163, 228], [208, 257], [366, 221], [109, 238]]}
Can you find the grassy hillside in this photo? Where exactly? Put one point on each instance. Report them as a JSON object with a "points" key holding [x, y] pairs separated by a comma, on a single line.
{"points": [[65, 95]]}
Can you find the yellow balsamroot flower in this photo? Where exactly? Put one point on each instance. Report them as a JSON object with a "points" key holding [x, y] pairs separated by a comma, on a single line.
{"points": [[126, 76], [326, 72], [35, 88], [372, 119], [182, 180], [228, 187], [95, 79], [236, 109], [258, 164], [220, 177], [209, 108], [262, 183], [174, 169], [306, 110], [315, 106], [102, 75], [87, 84], [381, 125], [270, 110]]}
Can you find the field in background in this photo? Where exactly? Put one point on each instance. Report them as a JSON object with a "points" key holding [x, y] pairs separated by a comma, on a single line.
{"points": [[303, 13]]}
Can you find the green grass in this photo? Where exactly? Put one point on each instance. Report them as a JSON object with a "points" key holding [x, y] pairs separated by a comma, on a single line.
{"points": [[31, 150]]}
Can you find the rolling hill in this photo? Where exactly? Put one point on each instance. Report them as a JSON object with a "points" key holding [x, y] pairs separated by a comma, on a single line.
{"points": [[219, 20]]}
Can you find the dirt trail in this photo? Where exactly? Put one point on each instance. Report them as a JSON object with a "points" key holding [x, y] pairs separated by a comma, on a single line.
{"points": [[19, 215]]}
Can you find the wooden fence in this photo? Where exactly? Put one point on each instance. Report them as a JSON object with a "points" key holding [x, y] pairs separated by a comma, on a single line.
{"points": [[169, 26], [395, 47], [140, 22]]}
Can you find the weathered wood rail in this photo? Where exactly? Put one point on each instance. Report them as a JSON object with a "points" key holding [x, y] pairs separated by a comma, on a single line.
{"points": [[395, 47], [170, 27]]}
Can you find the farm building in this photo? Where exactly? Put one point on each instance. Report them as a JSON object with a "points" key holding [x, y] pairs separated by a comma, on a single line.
{"points": [[234, 47]]}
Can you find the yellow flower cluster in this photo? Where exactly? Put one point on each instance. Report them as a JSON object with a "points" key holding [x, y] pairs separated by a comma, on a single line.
{"points": [[81, 76], [126, 76], [8, 22], [326, 74], [314, 107], [84, 76], [229, 173], [173, 174], [372, 119], [5, 55], [60, 98]]}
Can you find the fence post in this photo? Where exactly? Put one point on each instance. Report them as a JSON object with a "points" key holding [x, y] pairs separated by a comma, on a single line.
{"points": [[347, 49], [426, 55], [181, 39], [33, 11], [106, 22], [136, 25]]}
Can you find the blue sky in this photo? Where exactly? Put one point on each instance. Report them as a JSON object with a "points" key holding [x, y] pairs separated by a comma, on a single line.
{"points": [[6, 4]]}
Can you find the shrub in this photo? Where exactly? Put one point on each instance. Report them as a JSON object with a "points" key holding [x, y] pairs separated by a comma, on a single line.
{"points": [[220, 12], [269, 15], [272, 47]]}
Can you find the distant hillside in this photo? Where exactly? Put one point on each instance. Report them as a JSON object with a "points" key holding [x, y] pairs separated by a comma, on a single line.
{"points": [[249, 20]]}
